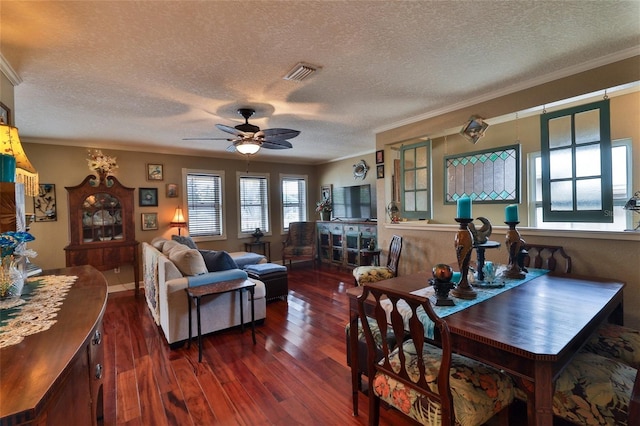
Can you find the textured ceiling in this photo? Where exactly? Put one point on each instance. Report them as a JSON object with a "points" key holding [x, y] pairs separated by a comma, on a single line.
{"points": [[142, 75]]}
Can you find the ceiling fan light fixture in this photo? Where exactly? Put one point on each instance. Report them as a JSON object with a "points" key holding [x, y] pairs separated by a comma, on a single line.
{"points": [[300, 72], [248, 147]]}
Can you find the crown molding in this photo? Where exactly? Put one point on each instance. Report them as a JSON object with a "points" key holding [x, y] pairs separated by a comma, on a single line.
{"points": [[9, 72], [565, 72]]}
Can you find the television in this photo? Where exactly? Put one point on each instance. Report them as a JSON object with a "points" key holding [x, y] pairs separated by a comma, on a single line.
{"points": [[352, 202]]}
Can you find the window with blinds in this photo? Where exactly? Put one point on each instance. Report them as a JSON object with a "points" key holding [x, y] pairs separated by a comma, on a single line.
{"points": [[204, 203], [254, 204], [294, 199]]}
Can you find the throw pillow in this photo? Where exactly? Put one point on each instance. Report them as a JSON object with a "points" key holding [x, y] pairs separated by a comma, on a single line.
{"points": [[187, 241], [218, 260], [188, 261]]}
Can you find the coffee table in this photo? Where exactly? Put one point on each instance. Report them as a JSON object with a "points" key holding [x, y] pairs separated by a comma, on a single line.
{"points": [[197, 293]]}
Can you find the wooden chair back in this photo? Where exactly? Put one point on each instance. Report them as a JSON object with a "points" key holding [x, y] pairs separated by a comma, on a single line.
{"points": [[543, 256], [395, 248], [416, 334]]}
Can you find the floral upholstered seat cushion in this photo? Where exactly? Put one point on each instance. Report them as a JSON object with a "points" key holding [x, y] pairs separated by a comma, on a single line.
{"points": [[594, 390], [372, 274], [479, 391], [618, 342]]}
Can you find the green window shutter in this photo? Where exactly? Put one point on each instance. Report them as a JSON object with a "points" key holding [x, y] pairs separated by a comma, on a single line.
{"points": [[576, 164]]}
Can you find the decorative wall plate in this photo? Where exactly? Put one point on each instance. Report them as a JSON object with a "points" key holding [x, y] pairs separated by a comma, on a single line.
{"points": [[360, 170]]}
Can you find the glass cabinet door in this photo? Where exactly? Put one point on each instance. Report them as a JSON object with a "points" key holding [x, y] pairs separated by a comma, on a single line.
{"points": [[101, 218]]}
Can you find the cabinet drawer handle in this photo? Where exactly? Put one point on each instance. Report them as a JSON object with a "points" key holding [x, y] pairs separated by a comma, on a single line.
{"points": [[97, 338], [98, 371]]}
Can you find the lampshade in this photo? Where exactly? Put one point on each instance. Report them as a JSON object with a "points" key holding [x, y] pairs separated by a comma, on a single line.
{"points": [[178, 220], [25, 172], [248, 147]]}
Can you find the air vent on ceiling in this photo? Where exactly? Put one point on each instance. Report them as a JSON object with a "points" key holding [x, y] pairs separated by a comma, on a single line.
{"points": [[300, 72]]}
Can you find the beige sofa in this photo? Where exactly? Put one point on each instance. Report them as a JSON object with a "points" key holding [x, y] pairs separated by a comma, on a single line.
{"points": [[169, 267]]}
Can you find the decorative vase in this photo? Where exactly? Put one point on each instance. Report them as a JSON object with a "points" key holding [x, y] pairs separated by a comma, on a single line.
{"points": [[324, 215], [441, 282], [464, 247], [11, 281]]}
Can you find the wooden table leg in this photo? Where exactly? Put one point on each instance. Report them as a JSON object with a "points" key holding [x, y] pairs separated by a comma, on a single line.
{"points": [[353, 342], [189, 312], [541, 414]]}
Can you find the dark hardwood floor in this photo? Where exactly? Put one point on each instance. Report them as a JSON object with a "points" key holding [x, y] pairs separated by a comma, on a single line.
{"points": [[295, 374]]}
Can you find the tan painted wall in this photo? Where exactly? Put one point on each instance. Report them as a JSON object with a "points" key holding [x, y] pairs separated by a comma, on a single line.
{"points": [[614, 255], [67, 166]]}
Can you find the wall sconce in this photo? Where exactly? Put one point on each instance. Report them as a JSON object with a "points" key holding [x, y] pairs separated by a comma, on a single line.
{"points": [[178, 220], [25, 172], [474, 129]]}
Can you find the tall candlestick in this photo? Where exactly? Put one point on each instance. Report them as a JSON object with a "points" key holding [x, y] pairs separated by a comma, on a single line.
{"points": [[511, 213], [464, 208]]}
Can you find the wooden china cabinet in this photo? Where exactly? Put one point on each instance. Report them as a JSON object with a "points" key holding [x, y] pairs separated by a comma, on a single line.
{"points": [[102, 225]]}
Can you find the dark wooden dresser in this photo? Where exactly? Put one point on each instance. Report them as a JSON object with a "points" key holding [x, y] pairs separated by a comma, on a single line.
{"points": [[54, 377]]}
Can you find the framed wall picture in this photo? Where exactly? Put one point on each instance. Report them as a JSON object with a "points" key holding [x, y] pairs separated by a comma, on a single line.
{"points": [[5, 114], [155, 172], [44, 204], [149, 221], [380, 171], [325, 192], [380, 157], [148, 197], [172, 190]]}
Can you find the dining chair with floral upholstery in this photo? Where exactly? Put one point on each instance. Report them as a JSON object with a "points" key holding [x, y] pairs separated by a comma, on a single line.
{"points": [[371, 274], [544, 256], [421, 377]]}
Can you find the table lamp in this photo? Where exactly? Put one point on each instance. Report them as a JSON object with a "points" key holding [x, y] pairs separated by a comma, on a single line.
{"points": [[178, 220]]}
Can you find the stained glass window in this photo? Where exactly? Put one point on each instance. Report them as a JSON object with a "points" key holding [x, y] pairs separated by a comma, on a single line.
{"points": [[489, 176]]}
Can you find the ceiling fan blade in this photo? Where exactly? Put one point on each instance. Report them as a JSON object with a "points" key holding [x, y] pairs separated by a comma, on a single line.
{"points": [[229, 129], [231, 148], [277, 145], [207, 139], [273, 135]]}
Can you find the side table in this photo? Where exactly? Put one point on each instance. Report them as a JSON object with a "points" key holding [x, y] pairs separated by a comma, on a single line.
{"points": [[264, 246], [197, 293], [372, 257]]}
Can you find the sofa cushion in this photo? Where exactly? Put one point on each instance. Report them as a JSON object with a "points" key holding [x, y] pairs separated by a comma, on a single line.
{"points": [[188, 261], [187, 241], [158, 242], [218, 260], [211, 278], [170, 245]]}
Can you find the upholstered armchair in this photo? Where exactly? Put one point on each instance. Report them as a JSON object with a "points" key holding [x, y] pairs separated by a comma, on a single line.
{"points": [[300, 243]]}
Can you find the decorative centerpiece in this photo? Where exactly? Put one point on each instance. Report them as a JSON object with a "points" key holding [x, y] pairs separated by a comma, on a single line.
{"points": [[441, 282], [372, 244], [257, 234], [13, 252], [464, 247], [103, 165], [514, 244], [324, 208]]}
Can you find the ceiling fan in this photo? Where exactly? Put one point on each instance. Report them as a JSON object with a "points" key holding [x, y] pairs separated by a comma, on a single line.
{"points": [[249, 138]]}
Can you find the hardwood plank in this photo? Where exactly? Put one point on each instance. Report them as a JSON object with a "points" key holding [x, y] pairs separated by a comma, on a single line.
{"points": [[295, 374]]}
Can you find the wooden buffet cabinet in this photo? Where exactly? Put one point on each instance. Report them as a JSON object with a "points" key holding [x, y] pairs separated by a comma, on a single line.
{"points": [[102, 226], [55, 377]]}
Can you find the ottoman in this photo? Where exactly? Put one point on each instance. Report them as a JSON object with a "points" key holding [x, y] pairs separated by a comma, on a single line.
{"points": [[273, 276]]}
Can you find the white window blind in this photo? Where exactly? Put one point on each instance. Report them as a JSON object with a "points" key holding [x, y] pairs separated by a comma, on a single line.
{"points": [[254, 204], [204, 204], [294, 200]]}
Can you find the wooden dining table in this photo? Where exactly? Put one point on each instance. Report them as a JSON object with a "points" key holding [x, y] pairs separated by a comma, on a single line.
{"points": [[531, 331]]}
